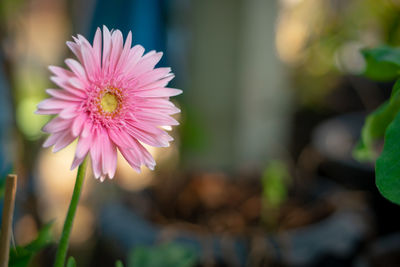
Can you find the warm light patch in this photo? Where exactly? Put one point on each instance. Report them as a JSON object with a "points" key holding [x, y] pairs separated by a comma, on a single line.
{"points": [[109, 102]]}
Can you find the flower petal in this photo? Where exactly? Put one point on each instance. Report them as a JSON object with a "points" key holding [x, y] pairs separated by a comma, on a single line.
{"points": [[95, 155], [78, 123], [132, 158], [120, 138], [134, 56], [89, 62], [156, 140], [158, 105], [124, 54], [76, 162], [61, 72], [157, 84], [52, 139], [47, 111], [109, 155], [152, 76], [63, 141], [70, 112], [76, 68], [57, 124], [106, 48], [75, 48], [63, 95], [54, 103], [83, 146], [97, 47], [117, 44], [66, 85], [159, 92], [146, 63], [155, 118]]}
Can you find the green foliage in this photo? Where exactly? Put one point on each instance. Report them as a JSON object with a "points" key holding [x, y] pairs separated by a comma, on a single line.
{"points": [[8, 8], [382, 63], [388, 164], [194, 137], [21, 256], [167, 255], [119, 264], [274, 182], [71, 262], [376, 124]]}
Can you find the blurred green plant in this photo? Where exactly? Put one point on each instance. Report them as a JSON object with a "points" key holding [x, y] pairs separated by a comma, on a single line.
{"points": [[8, 8], [21, 256], [192, 131], [375, 127], [275, 181], [383, 63], [319, 47], [166, 255], [71, 262], [27, 121]]}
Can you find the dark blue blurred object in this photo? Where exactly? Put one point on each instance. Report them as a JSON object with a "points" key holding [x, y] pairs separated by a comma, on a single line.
{"points": [[145, 18]]}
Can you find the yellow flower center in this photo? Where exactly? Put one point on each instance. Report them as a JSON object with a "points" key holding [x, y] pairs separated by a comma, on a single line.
{"points": [[109, 102]]}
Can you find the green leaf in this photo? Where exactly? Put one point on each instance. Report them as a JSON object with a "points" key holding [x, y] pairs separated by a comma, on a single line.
{"points": [[275, 180], [375, 126], [119, 264], [21, 256], [395, 91], [166, 255], [388, 164], [71, 262], [43, 239], [382, 63]]}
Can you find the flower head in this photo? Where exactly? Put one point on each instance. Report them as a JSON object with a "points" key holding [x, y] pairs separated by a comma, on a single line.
{"points": [[112, 98]]}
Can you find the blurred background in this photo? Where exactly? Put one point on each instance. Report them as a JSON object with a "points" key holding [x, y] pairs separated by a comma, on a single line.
{"points": [[261, 170]]}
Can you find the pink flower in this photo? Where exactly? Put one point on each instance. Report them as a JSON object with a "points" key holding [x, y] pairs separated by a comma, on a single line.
{"points": [[112, 98]]}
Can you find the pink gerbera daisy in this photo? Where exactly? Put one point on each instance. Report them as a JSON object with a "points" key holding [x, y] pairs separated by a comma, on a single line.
{"points": [[112, 99]]}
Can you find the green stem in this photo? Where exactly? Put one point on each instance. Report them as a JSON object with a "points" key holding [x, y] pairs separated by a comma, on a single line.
{"points": [[63, 245]]}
